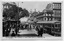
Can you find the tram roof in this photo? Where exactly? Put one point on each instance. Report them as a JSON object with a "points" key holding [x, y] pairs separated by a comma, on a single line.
{"points": [[48, 22]]}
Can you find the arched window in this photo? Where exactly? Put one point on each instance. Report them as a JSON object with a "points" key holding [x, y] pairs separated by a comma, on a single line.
{"points": [[46, 18], [49, 14], [53, 18], [43, 14], [52, 14], [49, 19], [46, 14]]}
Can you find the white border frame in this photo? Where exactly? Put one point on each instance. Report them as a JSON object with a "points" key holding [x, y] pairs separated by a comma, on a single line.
{"points": [[46, 38]]}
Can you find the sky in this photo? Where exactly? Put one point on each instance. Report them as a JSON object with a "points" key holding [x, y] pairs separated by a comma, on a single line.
{"points": [[39, 6]]}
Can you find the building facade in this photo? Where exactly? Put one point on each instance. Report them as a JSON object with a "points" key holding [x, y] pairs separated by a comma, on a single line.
{"points": [[50, 18], [57, 11], [52, 12]]}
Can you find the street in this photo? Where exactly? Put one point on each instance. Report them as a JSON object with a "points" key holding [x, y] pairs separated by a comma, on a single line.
{"points": [[27, 33], [31, 33]]}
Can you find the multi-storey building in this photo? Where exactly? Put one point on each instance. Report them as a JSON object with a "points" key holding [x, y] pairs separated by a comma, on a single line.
{"points": [[49, 12], [8, 5], [57, 11], [50, 18], [46, 15]]}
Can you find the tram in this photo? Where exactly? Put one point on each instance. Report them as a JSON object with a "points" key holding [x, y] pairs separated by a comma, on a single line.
{"points": [[56, 29], [51, 27]]}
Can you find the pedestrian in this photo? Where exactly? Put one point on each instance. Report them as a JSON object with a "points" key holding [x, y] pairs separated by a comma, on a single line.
{"points": [[40, 31], [13, 34], [37, 29]]}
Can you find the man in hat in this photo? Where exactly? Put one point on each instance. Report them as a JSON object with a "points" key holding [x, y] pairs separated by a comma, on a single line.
{"points": [[40, 30]]}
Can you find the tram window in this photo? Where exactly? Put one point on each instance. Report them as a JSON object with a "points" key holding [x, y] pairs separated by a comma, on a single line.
{"points": [[52, 25], [59, 25], [56, 25]]}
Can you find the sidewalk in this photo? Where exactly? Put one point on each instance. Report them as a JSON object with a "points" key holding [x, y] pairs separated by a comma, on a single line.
{"points": [[47, 35]]}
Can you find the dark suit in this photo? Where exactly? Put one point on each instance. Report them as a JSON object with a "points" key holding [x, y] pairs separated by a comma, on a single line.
{"points": [[40, 31]]}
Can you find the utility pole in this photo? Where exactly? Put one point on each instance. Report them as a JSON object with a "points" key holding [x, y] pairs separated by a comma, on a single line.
{"points": [[30, 18]]}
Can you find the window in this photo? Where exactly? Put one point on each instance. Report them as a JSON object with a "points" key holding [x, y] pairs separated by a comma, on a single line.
{"points": [[59, 25], [49, 14], [7, 7], [49, 19], [43, 18], [4, 6], [52, 25], [43, 14], [46, 14], [57, 12], [52, 14], [57, 6], [10, 6], [56, 25], [46, 18]]}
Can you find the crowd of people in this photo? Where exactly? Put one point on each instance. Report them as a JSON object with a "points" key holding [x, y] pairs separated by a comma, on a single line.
{"points": [[10, 27]]}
